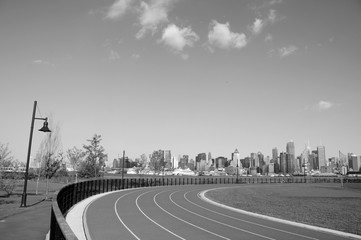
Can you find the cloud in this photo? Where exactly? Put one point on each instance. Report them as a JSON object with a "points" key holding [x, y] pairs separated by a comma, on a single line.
{"points": [[272, 2], [152, 15], [178, 38], [286, 51], [257, 26], [324, 105], [118, 9], [268, 38], [135, 56], [113, 55], [272, 16], [221, 36], [42, 62]]}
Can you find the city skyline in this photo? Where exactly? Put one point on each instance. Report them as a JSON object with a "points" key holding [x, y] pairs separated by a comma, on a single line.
{"points": [[188, 76]]}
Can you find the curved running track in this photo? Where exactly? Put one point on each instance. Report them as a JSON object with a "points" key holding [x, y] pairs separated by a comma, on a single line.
{"points": [[178, 212]]}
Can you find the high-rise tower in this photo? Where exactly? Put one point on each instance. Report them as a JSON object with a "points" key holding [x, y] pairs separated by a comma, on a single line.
{"points": [[290, 149], [321, 153]]}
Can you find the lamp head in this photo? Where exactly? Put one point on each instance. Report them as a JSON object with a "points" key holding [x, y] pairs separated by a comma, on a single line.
{"points": [[45, 127]]}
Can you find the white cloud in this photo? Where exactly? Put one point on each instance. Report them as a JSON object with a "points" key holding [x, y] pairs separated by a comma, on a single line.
{"points": [[152, 15], [286, 51], [135, 56], [178, 38], [221, 36], [275, 2], [257, 26], [268, 38], [42, 62], [113, 55], [324, 105], [118, 9]]}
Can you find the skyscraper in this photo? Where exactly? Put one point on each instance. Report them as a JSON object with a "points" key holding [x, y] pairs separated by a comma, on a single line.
{"points": [[283, 163], [321, 153], [168, 158], [235, 159], [275, 155], [290, 149]]}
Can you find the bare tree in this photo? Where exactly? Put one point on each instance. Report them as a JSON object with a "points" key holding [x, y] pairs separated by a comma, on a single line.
{"points": [[6, 160], [75, 156], [50, 155]]}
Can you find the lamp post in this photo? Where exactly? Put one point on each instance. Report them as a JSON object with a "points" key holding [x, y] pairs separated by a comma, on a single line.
{"points": [[43, 129], [123, 170], [237, 172]]}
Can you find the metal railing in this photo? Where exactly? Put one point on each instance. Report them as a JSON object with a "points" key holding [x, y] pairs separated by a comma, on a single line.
{"points": [[71, 194]]}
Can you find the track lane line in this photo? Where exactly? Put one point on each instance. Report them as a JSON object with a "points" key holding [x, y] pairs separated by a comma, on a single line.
{"points": [[249, 222], [120, 219], [218, 222], [193, 225], [136, 202]]}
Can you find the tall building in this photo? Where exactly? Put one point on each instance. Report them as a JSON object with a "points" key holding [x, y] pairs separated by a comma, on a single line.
{"points": [[355, 162], [254, 160], [290, 149], [175, 163], [209, 158], [168, 159], [235, 159], [283, 163], [321, 153], [200, 163], [275, 155]]}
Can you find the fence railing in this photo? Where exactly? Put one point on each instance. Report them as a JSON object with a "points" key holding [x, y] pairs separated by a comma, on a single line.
{"points": [[71, 194]]}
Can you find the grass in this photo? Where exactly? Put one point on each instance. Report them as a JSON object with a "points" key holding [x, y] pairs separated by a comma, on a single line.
{"points": [[324, 205], [11, 205]]}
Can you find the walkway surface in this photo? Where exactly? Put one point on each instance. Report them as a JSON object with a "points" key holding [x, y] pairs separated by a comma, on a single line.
{"points": [[32, 222]]}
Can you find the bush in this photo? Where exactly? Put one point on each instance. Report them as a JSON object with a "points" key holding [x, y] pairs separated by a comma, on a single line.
{"points": [[8, 185]]}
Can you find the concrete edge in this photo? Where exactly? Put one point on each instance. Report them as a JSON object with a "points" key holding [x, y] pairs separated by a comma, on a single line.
{"points": [[302, 225]]}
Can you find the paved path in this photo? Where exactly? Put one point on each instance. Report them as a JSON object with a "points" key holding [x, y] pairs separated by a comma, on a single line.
{"points": [[179, 212], [32, 222]]}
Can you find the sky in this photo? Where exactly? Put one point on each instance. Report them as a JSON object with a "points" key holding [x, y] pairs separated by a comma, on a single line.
{"points": [[189, 76]]}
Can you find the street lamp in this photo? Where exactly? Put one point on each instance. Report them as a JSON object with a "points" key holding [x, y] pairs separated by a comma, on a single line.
{"points": [[237, 172], [123, 170], [43, 129]]}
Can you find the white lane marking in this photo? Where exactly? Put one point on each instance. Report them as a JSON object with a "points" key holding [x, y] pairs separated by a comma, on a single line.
{"points": [[116, 212], [215, 234], [136, 202], [221, 223], [238, 219], [301, 225]]}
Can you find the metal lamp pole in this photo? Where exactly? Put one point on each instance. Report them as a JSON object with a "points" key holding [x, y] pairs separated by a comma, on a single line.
{"points": [[237, 172], [43, 129], [123, 170]]}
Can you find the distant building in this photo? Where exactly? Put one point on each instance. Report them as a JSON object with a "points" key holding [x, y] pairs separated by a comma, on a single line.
{"points": [[292, 164], [254, 160], [312, 161], [201, 162], [321, 153], [275, 155], [283, 163], [235, 159], [246, 162], [168, 159], [220, 162], [355, 162], [175, 163]]}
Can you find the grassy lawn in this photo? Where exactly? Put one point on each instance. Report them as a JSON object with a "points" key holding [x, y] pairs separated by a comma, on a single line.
{"points": [[325, 205], [11, 205]]}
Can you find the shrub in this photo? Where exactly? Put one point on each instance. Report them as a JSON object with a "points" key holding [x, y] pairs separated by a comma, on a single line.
{"points": [[8, 185]]}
